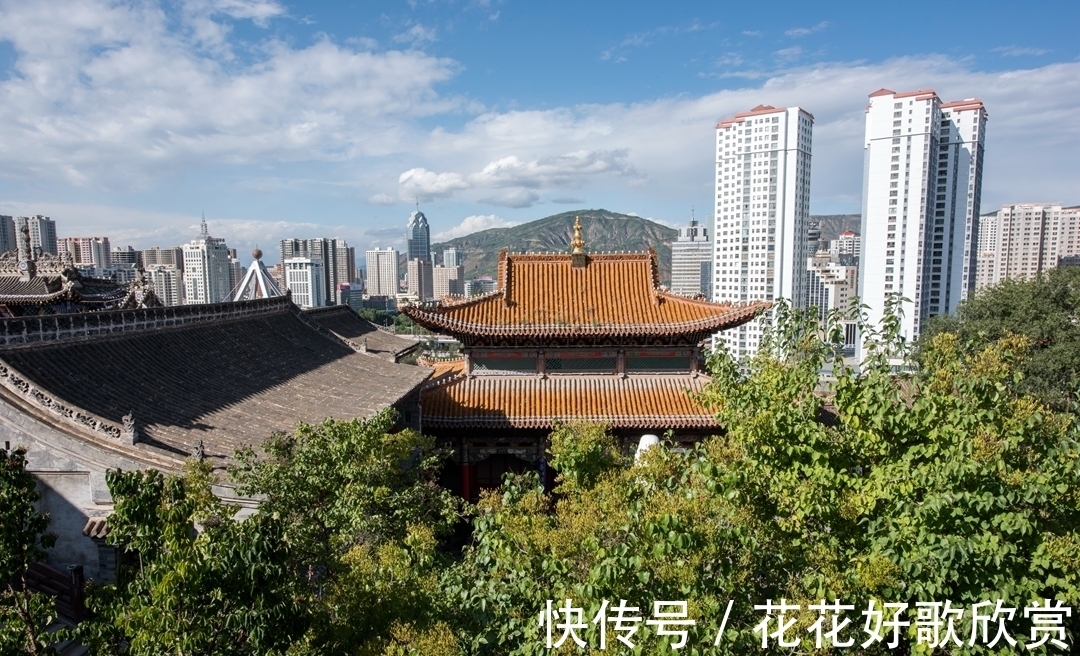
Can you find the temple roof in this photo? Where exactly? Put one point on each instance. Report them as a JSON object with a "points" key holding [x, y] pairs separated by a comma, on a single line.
{"points": [[615, 295], [52, 280], [654, 401], [345, 324], [227, 374]]}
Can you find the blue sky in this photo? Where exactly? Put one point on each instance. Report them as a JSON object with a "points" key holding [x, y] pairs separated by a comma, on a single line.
{"points": [[128, 119]]}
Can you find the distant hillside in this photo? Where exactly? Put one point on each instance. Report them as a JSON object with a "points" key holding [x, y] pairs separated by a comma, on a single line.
{"points": [[602, 230], [832, 225]]}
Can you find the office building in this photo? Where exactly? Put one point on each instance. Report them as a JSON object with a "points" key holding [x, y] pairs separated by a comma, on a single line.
{"points": [[448, 281], [1023, 240], [848, 243], [691, 261], [832, 284], [305, 279], [418, 237], [7, 234], [168, 284], [761, 233], [125, 255], [420, 280], [172, 257], [42, 234], [921, 187], [452, 258], [87, 251], [339, 259], [382, 272], [206, 269], [479, 286]]}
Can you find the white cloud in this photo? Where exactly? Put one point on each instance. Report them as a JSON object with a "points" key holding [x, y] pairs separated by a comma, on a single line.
{"points": [[382, 199], [568, 200], [109, 94], [518, 198], [803, 31], [474, 223], [1017, 51], [751, 33], [788, 54], [422, 185], [416, 36]]}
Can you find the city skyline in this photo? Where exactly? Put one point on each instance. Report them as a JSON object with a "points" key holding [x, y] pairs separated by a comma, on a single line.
{"points": [[420, 103]]}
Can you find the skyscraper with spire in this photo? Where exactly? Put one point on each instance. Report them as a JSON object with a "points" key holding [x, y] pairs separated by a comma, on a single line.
{"points": [[206, 269], [418, 237]]}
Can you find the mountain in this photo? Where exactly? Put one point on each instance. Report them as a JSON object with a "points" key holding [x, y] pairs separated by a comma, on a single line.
{"points": [[601, 229], [832, 225]]}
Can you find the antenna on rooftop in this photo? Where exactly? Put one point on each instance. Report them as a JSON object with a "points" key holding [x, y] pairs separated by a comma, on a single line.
{"points": [[204, 232]]}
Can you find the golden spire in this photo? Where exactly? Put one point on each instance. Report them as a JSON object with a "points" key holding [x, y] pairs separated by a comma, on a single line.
{"points": [[577, 245]]}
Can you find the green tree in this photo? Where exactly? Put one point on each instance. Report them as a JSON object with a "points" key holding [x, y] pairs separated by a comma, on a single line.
{"points": [[203, 583], [1046, 310], [364, 516], [24, 614]]}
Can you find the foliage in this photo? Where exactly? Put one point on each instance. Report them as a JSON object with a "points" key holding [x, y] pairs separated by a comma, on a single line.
{"points": [[376, 317], [221, 588], [24, 614], [364, 514], [581, 453], [1046, 310]]}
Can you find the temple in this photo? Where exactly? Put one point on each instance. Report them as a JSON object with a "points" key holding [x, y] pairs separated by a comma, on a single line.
{"points": [[576, 336], [34, 283]]}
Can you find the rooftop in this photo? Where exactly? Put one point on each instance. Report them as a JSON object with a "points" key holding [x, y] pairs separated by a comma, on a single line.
{"points": [[614, 296], [637, 401], [343, 323], [226, 374]]}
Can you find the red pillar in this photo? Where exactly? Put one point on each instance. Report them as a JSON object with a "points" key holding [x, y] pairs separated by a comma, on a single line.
{"points": [[466, 483]]}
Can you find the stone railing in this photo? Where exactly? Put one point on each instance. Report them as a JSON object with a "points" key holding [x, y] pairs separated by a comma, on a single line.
{"points": [[22, 332]]}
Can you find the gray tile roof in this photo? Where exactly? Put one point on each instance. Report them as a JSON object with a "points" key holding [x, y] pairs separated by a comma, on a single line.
{"points": [[346, 324], [228, 374]]}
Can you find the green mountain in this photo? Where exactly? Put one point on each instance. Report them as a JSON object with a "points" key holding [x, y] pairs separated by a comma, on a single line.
{"points": [[602, 230]]}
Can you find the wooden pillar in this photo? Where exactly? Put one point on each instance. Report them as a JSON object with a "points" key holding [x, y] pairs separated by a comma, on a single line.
{"points": [[620, 362], [541, 363], [466, 356]]}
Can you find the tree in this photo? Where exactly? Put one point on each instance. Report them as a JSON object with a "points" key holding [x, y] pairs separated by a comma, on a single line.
{"points": [[363, 514], [24, 614], [1046, 310], [224, 588]]}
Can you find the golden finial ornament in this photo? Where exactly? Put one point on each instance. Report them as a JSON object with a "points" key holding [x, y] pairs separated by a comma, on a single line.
{"points": [[577, 245]]}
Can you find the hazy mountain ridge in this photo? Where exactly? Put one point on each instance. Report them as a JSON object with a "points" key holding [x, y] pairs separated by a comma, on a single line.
{"points": [[602, 230], [832, 225]]}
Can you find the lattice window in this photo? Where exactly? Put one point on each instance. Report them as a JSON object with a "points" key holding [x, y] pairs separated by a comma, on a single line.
{"points": [[658, 361], [604, 364], [516, 363]]}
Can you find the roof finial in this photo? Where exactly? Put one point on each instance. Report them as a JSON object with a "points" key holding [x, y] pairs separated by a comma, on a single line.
{"points": [[577, 245]]}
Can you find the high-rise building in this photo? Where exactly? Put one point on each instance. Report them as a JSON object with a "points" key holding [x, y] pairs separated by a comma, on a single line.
{"points": [[87, 251], [382, 272], [305, 278], [7, 234], [335, 254], [1023, 240], [125, 255], [168, 284], [346, 270], [448, 281], [479, 286], [42, 234], [848, 243], [921, 187], [691, 261], [761, 233], [206, 269], [452, 258], [833, 282], [418, 237], [155, 256], [419, 279]]}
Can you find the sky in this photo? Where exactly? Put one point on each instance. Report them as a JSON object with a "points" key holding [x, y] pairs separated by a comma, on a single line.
{"points": [[131, 119]]}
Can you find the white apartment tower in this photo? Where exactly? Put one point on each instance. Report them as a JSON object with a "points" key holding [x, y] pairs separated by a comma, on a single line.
{"points": [[42, 234], [206, 270], [1023, 240], [922, 178], [761, 233], [168, 285], [382, 272], [691, 261], [306, 279]]}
